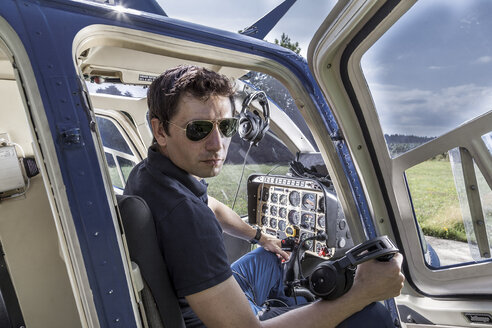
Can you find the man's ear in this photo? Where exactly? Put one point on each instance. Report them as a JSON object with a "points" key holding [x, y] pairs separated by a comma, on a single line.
{"points": [[158, 132]]}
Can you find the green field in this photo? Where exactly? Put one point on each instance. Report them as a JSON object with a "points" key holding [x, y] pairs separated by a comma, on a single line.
{"points": [[435, 200]]}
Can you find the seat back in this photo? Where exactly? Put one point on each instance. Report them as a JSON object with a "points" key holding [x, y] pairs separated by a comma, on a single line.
{"points": [[143, 246]]}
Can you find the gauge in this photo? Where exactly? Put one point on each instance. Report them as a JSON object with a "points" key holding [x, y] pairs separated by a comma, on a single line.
{"points": [[307, 221], [264, 208], [273, 210], [281, 225], [282, 212], [294, 217], [309, 243], [283, 199], [289, 231], [273, 223], [321, 204], [265, 193], [309, 201], [264, 220], [274, 197], [294, 198], [321, 221]]}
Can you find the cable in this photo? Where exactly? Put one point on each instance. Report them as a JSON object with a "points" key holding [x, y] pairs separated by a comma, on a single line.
{"points": [[242, 174]]}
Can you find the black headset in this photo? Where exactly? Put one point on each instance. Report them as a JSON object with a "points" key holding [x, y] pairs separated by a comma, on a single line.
{"points": [[332, 279], [252, 127]]}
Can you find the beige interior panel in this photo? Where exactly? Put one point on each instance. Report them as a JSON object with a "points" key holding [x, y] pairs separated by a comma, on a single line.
{"points": [[29, 237]]}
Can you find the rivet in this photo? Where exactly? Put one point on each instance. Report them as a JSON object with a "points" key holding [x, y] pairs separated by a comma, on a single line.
{"points": [[381, 220]]}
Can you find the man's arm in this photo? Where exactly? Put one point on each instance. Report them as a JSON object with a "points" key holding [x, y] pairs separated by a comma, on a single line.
{"points": [[225, 305], [232, 223]]}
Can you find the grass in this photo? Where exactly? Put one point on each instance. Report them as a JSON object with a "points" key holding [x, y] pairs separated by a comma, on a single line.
{"points": [[224, 186], [435, 200]]}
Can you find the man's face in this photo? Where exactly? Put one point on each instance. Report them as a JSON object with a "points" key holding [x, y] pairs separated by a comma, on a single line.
{"points": [[203, 158]]}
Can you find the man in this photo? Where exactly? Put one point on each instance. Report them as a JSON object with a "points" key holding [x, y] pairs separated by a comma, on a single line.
{"points": [[191, 113]]}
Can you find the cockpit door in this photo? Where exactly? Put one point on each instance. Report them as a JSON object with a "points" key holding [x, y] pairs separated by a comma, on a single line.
{"points": [[409, 84]]}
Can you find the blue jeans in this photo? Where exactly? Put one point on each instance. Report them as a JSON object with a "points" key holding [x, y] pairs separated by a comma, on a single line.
{"points": [[260, 276]]}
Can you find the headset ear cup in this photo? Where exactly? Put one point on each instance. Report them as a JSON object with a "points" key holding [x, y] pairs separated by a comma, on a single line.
{"points": [[329, 281], [248, 126], [322, 281]]}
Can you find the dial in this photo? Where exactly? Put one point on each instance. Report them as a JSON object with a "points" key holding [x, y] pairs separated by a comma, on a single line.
{"points": [[274, 197], [273, 223], [309, 201], [283, 199], [294, 198], [321, 221], [264, 220], [309, 243], [282, 212], [321, 204], [307, 221], [264, 208], [289, 231], [273, 210], [281, 225], [265, 193], [294, 217]]}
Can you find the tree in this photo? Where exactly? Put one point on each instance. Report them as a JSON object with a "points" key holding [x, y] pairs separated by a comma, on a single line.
{"points": [[111, 90], [287, 43]]}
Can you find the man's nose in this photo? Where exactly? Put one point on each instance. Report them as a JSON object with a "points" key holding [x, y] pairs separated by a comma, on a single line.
{"points": [[214, 140]]}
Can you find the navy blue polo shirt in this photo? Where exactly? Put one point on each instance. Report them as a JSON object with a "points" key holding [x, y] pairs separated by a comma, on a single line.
{"points": [[189, 234]]}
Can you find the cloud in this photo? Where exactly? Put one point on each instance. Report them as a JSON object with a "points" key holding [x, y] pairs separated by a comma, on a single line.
{"points": [[427, 112], [484, 60]]}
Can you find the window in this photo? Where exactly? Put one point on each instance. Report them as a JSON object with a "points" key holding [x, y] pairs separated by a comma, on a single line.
{"points": [[119, 156], [427, 75]]}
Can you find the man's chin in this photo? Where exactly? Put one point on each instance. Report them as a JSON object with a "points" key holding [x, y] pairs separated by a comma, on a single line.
{"points": [[211, 172]]}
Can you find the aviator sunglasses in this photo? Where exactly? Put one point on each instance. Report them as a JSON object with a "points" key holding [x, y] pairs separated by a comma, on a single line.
{"points": [[199, 129]]}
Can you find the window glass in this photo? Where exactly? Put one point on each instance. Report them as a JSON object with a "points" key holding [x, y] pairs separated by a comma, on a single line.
{"points": [[126, 166], [119, 156], [427, 76], [487, 139], [111, 136], [114, 172], [445, 210]]}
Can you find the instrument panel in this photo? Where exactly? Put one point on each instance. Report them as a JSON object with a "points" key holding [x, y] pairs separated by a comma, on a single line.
{"points": [[284, 206]]}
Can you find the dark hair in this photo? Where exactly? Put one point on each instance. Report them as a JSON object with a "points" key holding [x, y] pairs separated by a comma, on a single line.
{"points": [[165, 91]]}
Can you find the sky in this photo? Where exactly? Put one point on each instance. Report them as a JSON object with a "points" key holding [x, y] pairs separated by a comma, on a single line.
{"points": [[299, 23], [432, 70]]}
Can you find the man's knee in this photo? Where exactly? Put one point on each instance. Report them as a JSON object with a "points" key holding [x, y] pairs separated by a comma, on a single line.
{"points": [[375, 315]]}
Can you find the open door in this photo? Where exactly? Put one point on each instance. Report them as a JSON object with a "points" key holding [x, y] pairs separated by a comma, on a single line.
{"points": [[409, 83]]}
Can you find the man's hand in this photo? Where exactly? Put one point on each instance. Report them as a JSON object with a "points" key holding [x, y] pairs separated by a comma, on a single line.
{"points": [[273, 244], [377, 281]]}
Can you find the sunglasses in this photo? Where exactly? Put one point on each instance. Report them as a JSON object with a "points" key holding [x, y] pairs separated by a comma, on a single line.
{"points": [[200, 129]]}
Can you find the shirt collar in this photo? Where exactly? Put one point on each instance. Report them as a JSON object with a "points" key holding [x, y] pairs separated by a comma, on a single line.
{"points": [[164, 165]]}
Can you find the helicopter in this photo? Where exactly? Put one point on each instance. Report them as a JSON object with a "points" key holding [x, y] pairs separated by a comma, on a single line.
{"points": [[67, 147]]}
